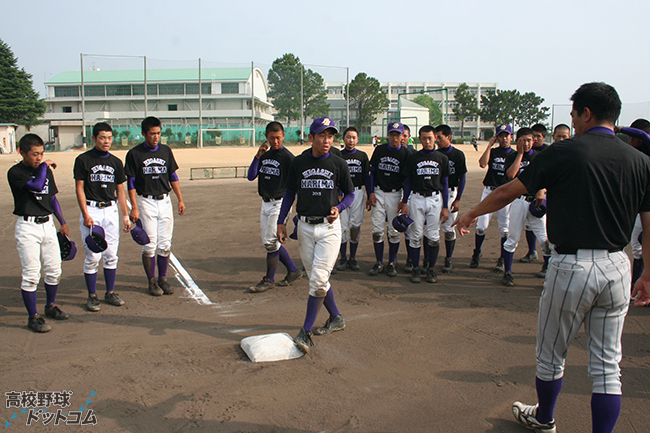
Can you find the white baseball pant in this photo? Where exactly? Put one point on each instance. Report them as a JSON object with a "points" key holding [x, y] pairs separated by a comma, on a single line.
{"points": [[447, 229], [352, 217], [269, 225], [424, 209], [157, 218], [383, 213], [590, 287], [319, 247], [36, 243], [502, 217], [637, 249], [520, 216], [107, 218]]}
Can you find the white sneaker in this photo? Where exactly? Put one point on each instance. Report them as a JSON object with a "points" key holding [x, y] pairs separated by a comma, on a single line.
{"points": [[526, 416]]}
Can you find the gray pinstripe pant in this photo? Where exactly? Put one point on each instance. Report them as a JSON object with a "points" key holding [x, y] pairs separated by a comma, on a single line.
{"points": [[590, 287]]}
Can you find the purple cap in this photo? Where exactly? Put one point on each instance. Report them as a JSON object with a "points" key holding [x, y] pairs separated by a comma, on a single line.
{"points": [[96, 240], [321, 124], [537, 211], [504, 128], [395, 126], [68, 248], [138, 234], [402, 222]]}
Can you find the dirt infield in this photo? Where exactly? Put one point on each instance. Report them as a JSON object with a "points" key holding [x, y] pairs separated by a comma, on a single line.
{"points": [[445, 357]]}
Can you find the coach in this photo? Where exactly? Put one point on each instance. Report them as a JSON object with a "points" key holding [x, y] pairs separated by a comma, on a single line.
{"points": [[596, 184]]}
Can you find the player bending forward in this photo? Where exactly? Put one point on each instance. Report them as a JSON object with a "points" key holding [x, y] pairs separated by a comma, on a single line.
{"points": [[317, 177]]}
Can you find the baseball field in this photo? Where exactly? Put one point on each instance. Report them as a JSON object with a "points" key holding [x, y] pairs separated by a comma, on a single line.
{"points": [[445, 357]]}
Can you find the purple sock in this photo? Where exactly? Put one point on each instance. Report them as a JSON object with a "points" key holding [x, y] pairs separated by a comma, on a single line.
{"points": [[353, 249], [478, 242], [393, 248], [425, 242], [344, 249], [285, 259], [605, 409], [532, 241], [163, 261], [91, 283], [50, 293], [547, 393], [414, 254], [503, 241], [109, 278], [637, 270], [379, 251], [507, 260], [433, 254], [313, 306], [272, 260], [449, 248], [330, 304], [149, 264], [29, 298]]}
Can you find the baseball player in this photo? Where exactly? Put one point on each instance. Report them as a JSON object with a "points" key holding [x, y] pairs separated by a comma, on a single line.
{"points": [[151, 173], [386, 182], [317, 178], [99, 178], [494, 159], [352, 217], [407, 143], [561, 132], [520, 215], [456, 181], [426, 173], [34, 190], [596, 185], [271, 168]]}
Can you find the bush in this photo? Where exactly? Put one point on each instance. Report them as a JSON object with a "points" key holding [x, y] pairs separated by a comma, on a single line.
{"points": [[461, 141], [488, 134]]}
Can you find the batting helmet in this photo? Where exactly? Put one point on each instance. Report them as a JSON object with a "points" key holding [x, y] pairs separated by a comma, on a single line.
{"points": [[68, 248], [96, 240], [138, 234], [537, 211], [402, 222]]}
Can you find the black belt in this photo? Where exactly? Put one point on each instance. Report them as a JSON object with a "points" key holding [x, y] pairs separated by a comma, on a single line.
{"points": [[384, 190], [312, 220], [491, 188], [37, 219], [99, 204], [268, 199], [155, 197], [428, 193], [528, 198], [562, 250]]}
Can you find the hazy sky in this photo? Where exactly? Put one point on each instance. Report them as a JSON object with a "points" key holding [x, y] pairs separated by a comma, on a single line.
{"points": [[548, 47]]}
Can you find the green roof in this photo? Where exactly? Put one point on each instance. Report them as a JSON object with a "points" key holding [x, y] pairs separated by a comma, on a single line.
{"points": [[153, 75]]}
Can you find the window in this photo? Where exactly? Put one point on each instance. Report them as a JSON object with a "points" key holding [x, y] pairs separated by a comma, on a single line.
{"points": [[171, 89], [94, 91], [230, 88], [192, 89], [118, 90], [66, 91], [67, 109], [206, 88], [172, 107], [138, 89]]}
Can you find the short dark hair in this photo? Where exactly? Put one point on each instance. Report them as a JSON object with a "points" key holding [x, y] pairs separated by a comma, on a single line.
{"points": [[101, 126], [350, 129], [601, 99], [561, 126], [524, 131], [641, 124], [538, 127], [427, 128], [150, 122], [445, 129], [406, 128], [274, 127], [28, 141]]}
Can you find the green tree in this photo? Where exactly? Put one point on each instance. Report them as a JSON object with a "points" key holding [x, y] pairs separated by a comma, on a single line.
{"points": [[435, 113], [529, 110], [466, 105], [500, 106], [19, 102], [367, 97], [284, 89]]}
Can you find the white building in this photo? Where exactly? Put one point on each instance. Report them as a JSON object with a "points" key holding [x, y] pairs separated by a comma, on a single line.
{"points": [[118, 97]]}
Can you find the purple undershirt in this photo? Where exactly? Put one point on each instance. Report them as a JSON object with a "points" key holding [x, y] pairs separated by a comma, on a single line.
{"points": [[601, 129], [57, 210], [37, 183]]}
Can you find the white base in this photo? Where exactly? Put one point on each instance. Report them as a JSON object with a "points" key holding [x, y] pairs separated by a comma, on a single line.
{"points": [[270, 347]]}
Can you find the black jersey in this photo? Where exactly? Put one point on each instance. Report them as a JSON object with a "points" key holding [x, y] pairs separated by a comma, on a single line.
{"points": [[272, 173], [29, 203], [100, 174], [388, 164], [317, 182], [359, 165], [596, 185], [540, 148], [152, 169], [333, 151], [526, 159], [496, 174], [457, 165], [426, 170]]}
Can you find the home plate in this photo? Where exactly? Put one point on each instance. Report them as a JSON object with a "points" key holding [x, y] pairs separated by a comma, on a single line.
{"points": [[270, 347]]}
